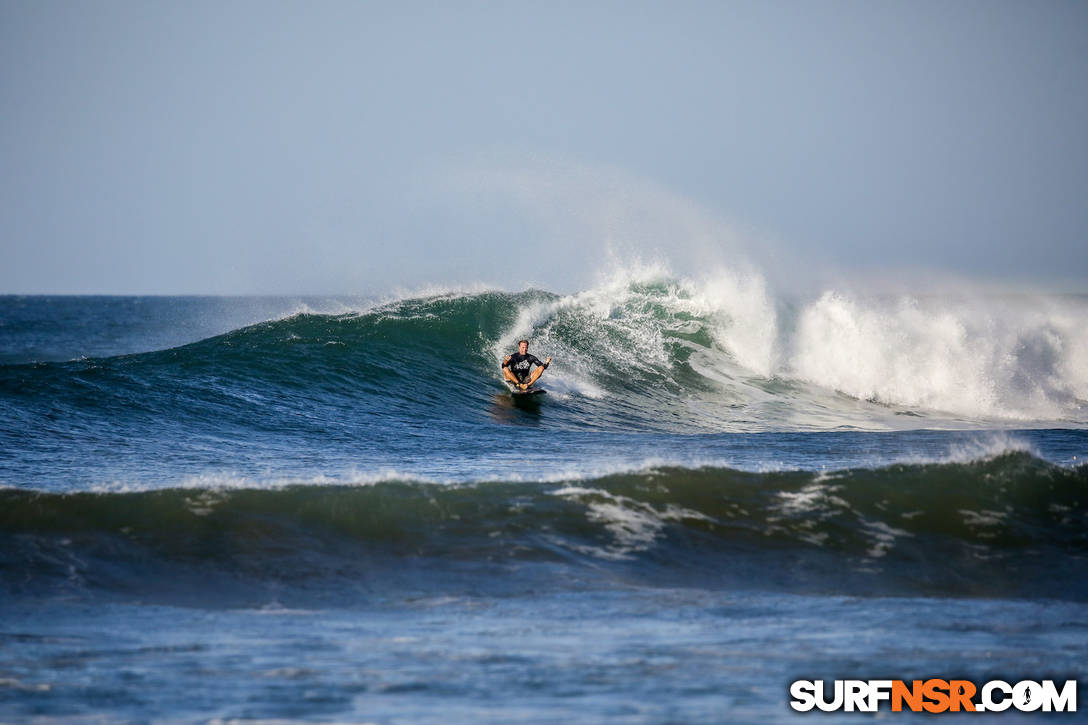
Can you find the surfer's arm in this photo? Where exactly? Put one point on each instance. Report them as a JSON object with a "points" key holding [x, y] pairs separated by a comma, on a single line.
{"points": [[507, 373]]}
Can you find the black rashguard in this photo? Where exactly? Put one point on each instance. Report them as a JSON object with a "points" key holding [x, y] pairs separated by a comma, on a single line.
{"points": [[520, 365]]}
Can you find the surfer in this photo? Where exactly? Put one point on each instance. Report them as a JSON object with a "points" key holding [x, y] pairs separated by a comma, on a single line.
{"points": [[516, 368]]}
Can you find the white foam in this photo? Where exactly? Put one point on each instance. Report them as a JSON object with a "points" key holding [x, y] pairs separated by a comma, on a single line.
{"points": [[15, 684], [1022, 359], [223, 481], [634, 525], [883, 537], [634, 317], [969, 353], [208, 486], [986, 447], [744, 315], [979, 355]]}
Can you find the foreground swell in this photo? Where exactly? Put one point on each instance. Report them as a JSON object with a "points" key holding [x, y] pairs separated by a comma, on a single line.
{"points": [[1010, 526]]}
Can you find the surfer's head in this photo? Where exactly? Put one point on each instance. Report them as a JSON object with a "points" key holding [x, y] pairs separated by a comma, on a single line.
{"points": [[523, 346]]}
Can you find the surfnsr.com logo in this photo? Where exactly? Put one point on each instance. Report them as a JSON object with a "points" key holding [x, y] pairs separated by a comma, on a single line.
{"points": [[934, 695]]}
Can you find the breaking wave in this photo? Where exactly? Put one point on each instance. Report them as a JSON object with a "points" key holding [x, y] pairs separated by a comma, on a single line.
{"points": [[1011, 525], [644, 351]]}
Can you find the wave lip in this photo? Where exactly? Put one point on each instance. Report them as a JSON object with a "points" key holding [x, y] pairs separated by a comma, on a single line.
{"points": [[643, 351], [1008, 526]]}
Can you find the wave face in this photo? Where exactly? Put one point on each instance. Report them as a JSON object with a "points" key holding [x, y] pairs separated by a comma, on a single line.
{"points": [[1012, 526], [725, 342], [643, 352]]}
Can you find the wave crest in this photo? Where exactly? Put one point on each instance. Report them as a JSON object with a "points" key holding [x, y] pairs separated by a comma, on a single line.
{"points": [[646, 349], [1007, 525]]}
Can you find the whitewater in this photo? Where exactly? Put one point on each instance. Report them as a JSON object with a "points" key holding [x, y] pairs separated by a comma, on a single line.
{"points": [[331, 509]]}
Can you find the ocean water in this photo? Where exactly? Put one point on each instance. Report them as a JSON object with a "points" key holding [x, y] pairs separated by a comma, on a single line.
{"points": [[316, 509]]}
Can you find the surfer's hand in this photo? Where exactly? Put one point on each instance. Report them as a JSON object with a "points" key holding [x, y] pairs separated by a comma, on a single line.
{"points": [[548, 361]]}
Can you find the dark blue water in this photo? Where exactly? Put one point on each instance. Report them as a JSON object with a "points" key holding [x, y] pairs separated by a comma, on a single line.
{"points": [[332, 510]]}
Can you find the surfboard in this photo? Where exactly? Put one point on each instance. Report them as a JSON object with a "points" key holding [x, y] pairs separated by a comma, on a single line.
{"points": [[531, 391]]}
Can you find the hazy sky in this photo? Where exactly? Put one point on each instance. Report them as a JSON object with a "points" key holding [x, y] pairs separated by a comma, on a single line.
{"points": [[353, 147]]}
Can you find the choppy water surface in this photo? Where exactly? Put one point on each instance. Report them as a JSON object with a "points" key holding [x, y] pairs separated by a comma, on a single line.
{"points": [[333, 509]]}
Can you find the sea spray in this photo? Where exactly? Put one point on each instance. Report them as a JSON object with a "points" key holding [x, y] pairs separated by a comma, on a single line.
{"points": [[1018, 358], [645, 350], [343, 514]]}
